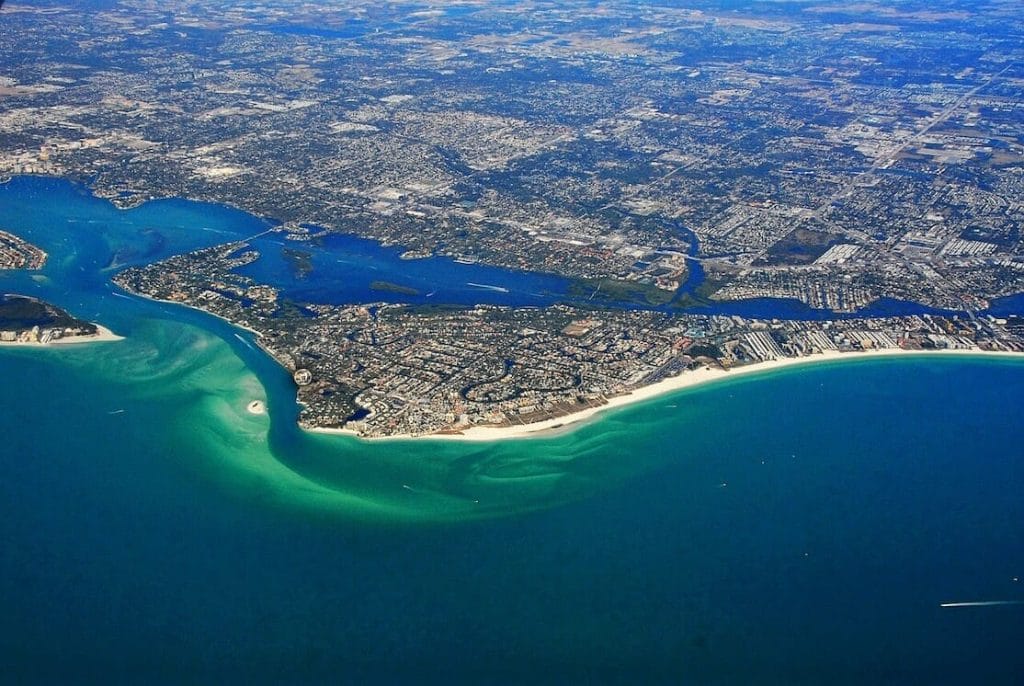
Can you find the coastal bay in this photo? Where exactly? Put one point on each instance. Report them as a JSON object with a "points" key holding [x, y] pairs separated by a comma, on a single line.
{"points": [[825, 495]]}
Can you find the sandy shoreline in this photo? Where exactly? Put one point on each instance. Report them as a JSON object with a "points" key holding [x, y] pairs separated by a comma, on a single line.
{"points": [[690, 379], [102, 335], [570, 422]]}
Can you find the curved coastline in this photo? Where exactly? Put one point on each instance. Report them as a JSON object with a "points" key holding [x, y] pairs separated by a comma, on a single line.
{"points": [[564, 424], [542, 429], [201, 395], [701, 377]]}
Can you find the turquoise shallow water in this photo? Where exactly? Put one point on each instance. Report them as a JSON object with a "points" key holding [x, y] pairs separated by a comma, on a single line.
{"points": [[187, 539]]}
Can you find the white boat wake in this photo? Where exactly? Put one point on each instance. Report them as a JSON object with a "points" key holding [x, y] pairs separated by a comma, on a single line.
{"points": [[488, 287]]}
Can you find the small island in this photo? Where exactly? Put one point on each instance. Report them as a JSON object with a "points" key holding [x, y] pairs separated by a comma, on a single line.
{"points": [[29, 321], [389, 287]]}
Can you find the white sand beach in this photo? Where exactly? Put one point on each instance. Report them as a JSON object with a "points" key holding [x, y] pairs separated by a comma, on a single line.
{"points": [[689, 379], [102, 335]]}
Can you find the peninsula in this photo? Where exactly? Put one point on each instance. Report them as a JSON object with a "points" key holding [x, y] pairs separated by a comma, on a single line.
{"points": [[385, 370], [17, 253]]}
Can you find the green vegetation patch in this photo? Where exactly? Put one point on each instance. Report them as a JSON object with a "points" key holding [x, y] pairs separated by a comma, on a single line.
{"points": [[620, 291], [299, 262], [389, 287], [699, 296], [799, 246], [704, 350], [21, 312]]}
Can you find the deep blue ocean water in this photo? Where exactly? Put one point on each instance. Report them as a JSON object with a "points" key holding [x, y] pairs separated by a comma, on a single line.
{"points": [[848, 515], [798, 527]]}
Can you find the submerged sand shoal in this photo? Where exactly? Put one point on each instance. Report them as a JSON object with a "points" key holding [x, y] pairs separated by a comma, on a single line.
{"points": [[689, 379]]}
